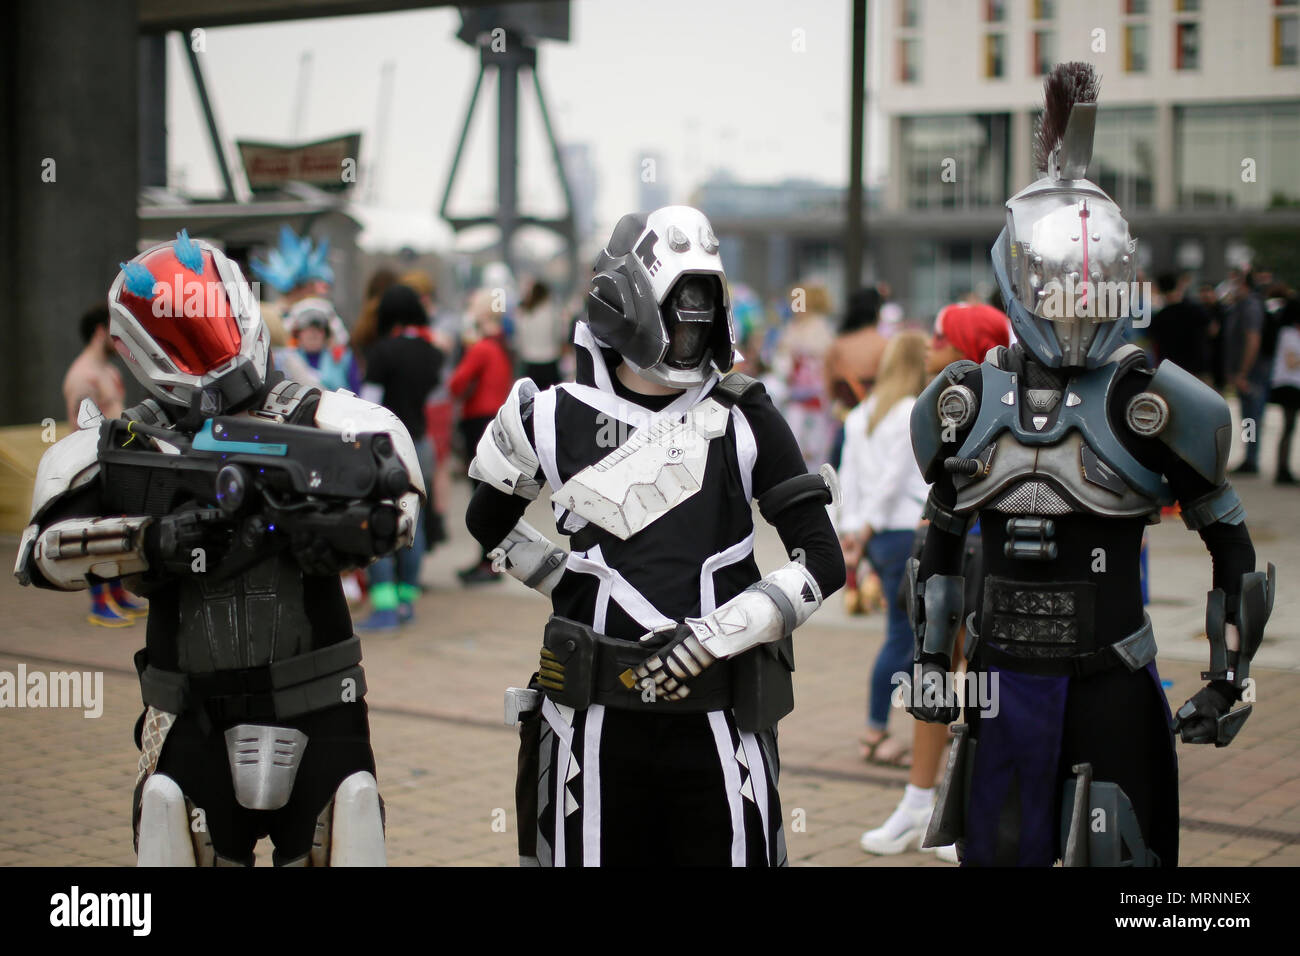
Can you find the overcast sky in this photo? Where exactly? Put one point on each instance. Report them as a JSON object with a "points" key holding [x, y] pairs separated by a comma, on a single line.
{"points": [[705, 85]]}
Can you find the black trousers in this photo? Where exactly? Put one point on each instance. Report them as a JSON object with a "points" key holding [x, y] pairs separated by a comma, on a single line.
{"points": [[338, 745], [607, 787]]}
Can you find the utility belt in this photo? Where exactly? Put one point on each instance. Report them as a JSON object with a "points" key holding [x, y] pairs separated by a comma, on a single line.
{"points": [[277, 691], [1049, 628], [593, 663], [756, 685]]}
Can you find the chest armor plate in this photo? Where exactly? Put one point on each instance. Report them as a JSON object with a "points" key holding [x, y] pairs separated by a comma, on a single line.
{"points": [[1069, 461], [245, 621]]}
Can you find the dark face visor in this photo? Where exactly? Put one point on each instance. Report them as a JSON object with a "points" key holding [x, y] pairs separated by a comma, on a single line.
{"points": [[689, 315]]}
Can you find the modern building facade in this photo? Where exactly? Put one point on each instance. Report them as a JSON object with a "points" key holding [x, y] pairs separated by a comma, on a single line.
{"points": [[1198, 135]]}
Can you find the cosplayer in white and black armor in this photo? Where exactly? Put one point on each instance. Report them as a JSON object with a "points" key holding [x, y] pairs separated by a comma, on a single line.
{"points": [[254, 722], [648, 734], [1065, 446]]}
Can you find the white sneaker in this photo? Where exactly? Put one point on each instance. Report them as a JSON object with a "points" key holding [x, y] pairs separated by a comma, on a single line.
{"points": [[904, 830]]}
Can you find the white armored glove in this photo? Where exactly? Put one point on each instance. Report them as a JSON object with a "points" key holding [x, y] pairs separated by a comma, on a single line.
{"points": [[764, 612]]}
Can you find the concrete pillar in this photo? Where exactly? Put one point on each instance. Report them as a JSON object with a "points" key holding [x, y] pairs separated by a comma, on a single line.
{"points": [[1165, 187], [68, 185]]}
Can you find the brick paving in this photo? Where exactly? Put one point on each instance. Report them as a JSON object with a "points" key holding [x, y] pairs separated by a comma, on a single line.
{"points": [[446, 763]]}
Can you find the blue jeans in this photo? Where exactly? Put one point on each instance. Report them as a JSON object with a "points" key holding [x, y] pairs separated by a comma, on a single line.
{"points": [[887, 553], [1254, 405], [403, 568]]}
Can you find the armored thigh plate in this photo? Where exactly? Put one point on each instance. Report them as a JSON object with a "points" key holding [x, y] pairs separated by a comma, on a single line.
{"points": [[263, 763]]}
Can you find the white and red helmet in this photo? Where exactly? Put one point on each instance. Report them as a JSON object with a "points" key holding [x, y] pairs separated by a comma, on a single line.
{"points": [[189, 326]]}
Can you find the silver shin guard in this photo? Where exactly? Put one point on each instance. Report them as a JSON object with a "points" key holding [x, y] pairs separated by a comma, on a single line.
{"points": [[357, 827], [164, 837]]}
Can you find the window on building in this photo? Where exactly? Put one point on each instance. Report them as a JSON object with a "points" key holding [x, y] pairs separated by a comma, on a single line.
{"points": [[995, 11], [947, 271], [1211, 144], [1044, 54], [1043, 9], [995, 55], [1135, 8], [909, 14], [1286, 39], [1187, 46], [1187, 6], [1124, 155], [1135, 48], [909, 60], [954, 161]]}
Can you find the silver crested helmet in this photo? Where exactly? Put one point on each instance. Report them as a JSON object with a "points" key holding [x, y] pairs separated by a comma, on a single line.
{"points": [[189, 327], [1065, 262], [659, 297]]}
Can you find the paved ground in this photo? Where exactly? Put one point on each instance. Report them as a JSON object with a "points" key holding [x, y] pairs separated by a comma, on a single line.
{"points": [[446, 762]]}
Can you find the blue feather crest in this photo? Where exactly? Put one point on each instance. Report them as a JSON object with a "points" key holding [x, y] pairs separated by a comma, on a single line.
{"points": [[139, 280], [188, 252], [294, 262]]}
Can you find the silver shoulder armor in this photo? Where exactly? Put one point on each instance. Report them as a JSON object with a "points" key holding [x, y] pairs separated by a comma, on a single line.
{"points": [[345, 413], [505, 459], [66, 466], [1188, 416]]}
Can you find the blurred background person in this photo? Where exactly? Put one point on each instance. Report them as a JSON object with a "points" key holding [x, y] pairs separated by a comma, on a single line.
{"points": [[439, 410], [1249, 367], [539, 334], [481, 382], [961, 331], [1216, 367], [312, 323], [365, 331], [93, 376], [402, 368], [800, 363], [854, 356], [1180, 329], [882, 494], [1285, 391]]}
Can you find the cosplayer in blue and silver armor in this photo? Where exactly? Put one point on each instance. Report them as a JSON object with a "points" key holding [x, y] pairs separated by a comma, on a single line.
{"points": [[648, 734], [1065, 446], [254, 721]]}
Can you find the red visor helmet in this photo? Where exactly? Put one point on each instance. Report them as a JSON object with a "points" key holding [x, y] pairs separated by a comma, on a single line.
{"points": [[189, 326]]}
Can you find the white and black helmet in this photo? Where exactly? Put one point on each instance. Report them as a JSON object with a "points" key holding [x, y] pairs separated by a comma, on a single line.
{"points": [[659, 297]]}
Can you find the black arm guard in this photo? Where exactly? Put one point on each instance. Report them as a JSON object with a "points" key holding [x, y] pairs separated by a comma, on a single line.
{"points": [[1208, 716], [934, 606], [791, 492]]}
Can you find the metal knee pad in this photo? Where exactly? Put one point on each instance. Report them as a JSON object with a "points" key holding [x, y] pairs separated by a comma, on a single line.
{"points": [[350, 830]]}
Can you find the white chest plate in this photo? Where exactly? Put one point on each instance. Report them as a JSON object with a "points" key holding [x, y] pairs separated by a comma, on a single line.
{"points": [[648, 475]]}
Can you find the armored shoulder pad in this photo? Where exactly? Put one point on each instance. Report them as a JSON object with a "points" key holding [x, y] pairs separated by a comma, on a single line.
{"points": [[1190, 417], [347, 414], [736, 387], [505, 458], [945, 402], [67, 465]]}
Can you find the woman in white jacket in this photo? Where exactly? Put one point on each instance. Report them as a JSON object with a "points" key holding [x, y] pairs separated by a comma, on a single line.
{"points": [[882, 497]]}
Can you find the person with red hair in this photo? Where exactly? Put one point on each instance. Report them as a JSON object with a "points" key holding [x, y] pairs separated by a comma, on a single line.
{"points": [[966, 330], [961, 331]]}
